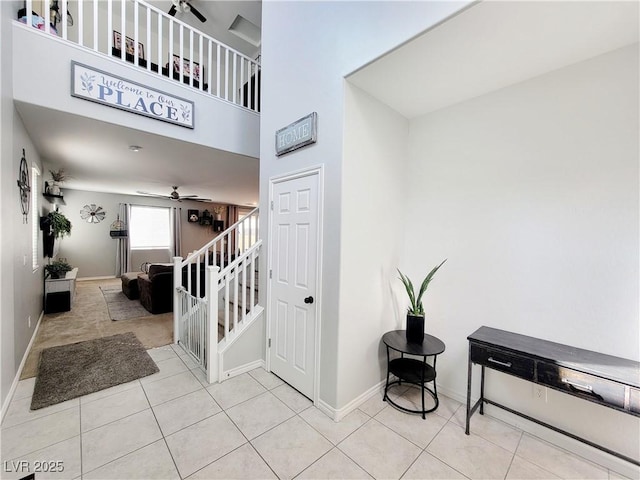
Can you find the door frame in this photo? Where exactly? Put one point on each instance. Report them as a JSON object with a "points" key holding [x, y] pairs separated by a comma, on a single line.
{"points": [[273, 181]]}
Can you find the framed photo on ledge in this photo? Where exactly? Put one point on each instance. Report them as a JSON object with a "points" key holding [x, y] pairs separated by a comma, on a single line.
{"points": [[186, 64], [129, 45]]}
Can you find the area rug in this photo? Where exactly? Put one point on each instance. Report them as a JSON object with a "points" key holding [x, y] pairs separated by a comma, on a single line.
{"points": [[120, 307], [70, 371]]}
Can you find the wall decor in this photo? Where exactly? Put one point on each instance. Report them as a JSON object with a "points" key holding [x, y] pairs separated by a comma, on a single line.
{"points": [[193, 215], [25, 188], [206, 218], [118, 228], [129, 45], [299, 134], [92, 213], [95, 85], [186, 67]]}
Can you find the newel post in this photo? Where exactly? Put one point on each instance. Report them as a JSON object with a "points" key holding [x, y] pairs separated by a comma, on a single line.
{"points": [[177, 305], [211, 283]]}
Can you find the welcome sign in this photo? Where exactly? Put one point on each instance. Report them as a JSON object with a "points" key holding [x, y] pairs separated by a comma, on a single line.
{"points": [[101, 87]]}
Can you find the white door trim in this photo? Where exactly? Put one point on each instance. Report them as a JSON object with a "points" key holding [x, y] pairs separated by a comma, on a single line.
{"points": [[319, 171]]}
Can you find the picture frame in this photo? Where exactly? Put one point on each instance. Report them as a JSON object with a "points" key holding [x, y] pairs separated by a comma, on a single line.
{"points": [[129, 45], [193, 216], [186, 70]]}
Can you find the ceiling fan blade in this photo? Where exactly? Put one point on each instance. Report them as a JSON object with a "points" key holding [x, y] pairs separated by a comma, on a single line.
{"points": [[188, 196], [200, 199], [198, 15], [172, 11], [152, 194]]}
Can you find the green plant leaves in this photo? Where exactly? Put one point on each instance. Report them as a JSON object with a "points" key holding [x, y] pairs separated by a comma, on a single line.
{"points": [[416, 307]]}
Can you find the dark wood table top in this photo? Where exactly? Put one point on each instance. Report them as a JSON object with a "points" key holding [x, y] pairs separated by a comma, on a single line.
{"points": [[397, 339], [621, 370]]}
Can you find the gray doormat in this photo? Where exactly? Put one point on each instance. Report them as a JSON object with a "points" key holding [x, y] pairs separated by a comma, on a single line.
{"points": [[120, 307], [70, 371]]}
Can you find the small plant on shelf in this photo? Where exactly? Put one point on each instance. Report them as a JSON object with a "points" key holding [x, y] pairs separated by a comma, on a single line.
{"points": [[59, 175], [58, 268]]}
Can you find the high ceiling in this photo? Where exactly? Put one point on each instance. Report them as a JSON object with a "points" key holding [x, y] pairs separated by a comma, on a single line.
{"points": [[97, 156], [492, 45], [220, 16]]}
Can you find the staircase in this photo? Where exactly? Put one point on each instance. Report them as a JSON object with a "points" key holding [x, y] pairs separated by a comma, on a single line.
{"points": [[216, 294]]}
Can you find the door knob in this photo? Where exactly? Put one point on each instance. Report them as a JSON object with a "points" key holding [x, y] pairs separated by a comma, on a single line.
{"points": [[309, 299]]}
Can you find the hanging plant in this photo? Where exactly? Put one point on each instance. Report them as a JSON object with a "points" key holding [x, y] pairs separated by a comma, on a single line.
{"points": [[59, 224]]}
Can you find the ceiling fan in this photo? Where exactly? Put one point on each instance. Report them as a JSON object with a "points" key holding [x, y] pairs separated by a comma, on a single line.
{"points": [[183, 6], [176, 196]]}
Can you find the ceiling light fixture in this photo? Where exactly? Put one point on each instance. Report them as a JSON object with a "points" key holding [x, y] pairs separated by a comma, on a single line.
{"points": [[135, 148]]}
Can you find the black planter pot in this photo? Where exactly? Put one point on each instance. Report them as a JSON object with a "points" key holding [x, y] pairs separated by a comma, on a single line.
{"points": [[415, 328]]}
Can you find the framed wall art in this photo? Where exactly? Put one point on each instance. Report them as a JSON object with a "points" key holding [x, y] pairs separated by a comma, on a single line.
{"points": [[128, 43], [186, 67]]}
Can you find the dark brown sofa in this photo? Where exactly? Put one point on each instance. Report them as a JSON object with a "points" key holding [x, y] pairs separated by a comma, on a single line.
{"points": [[156, 288]]}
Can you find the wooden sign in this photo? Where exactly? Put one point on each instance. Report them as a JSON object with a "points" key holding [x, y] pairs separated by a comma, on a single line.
{"points": [[299, 134], [97, 86]]}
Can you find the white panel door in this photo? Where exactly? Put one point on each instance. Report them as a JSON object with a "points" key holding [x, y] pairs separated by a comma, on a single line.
{"points": [[294, 244]]}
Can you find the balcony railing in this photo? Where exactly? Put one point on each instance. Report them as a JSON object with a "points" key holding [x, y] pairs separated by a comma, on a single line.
{"points": [[157, 42]]}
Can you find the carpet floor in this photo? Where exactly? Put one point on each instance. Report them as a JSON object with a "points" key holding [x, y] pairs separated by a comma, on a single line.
{"points": [[70, 371], [89, 319]]}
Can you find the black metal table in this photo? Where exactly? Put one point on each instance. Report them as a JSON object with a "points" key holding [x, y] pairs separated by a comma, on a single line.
{"points": [[412, 370], [609, 381]]}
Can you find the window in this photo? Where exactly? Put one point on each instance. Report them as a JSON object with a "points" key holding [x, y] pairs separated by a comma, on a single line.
{"points": [[35, 216], [247, 230], [150, 228]]}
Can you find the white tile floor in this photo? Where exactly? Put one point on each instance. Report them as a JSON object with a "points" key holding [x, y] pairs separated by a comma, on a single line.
{"points": [[173, 425]]}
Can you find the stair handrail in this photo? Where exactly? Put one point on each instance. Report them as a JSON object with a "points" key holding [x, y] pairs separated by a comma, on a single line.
{"points": [[197, 253]]}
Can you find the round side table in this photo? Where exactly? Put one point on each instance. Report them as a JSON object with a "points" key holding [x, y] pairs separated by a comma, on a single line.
{"points": [[412, 370]]}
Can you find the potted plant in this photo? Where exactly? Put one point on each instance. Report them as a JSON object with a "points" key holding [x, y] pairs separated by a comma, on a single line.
{"points": [[57, 177], [218, 210], [57, 222], [415, 312], [58, 268]]}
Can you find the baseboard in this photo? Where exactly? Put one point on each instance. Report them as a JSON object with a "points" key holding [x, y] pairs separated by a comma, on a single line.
{"points": [[16, 379], [242, 369], [338, 414], [86, 279], [559, 440]]}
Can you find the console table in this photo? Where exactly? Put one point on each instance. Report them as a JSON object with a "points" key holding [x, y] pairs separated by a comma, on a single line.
{"points": [[411, 370], [60, 292], [603, 379]]}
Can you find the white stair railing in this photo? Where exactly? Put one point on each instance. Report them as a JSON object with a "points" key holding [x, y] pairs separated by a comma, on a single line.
{"points": [[157, 42], [217, 284]]}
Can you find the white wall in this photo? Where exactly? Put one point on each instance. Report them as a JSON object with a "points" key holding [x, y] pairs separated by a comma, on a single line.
{"points": [[309, 47], [218, 124], [20, 287], [93, 251], [532, 194], [372, 225]]}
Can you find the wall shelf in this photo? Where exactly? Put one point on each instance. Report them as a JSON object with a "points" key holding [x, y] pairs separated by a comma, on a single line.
{"points": [[54, 199]]}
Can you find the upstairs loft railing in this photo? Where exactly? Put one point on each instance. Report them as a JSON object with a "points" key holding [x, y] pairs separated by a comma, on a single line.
{"points": [[157, 42]]}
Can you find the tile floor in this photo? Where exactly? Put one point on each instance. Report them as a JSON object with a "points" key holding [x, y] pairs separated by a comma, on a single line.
{"points": [[173, 425]]}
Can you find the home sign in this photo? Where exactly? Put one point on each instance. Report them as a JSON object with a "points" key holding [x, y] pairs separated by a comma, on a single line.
{"points": [[299, 134], [101, 87]]}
